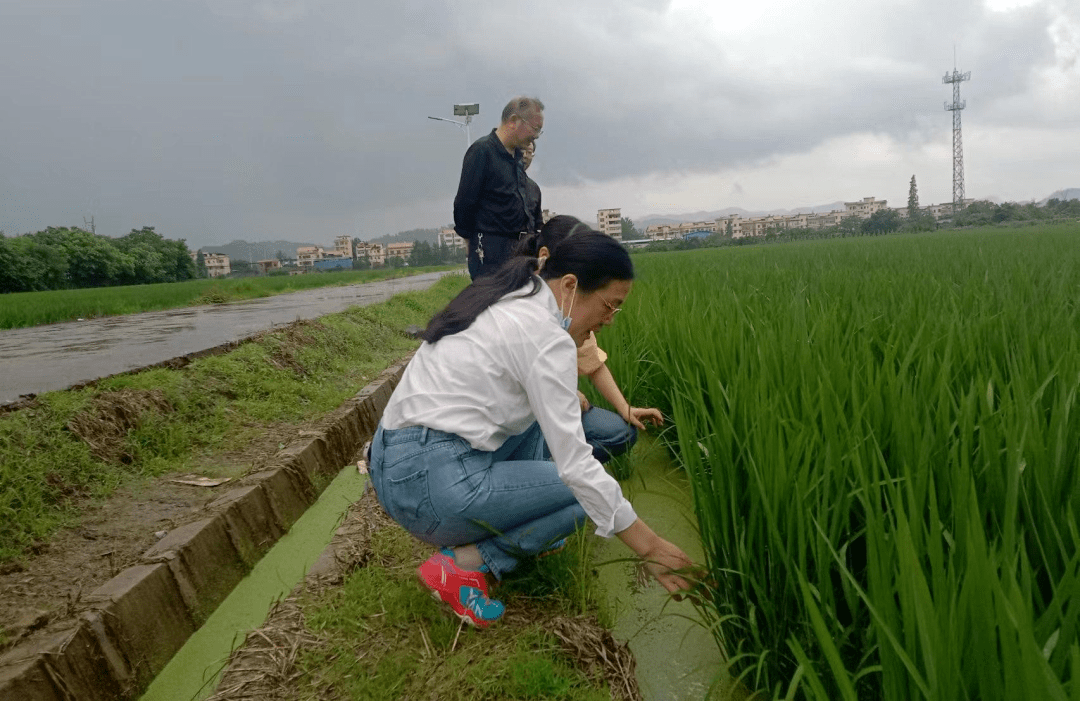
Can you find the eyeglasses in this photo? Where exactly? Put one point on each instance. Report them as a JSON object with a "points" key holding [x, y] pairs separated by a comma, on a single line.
{"points": [[536, 132], [612, 309]]}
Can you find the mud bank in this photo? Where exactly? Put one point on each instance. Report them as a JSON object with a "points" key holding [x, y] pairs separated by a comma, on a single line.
{"points": [[138, 620]]}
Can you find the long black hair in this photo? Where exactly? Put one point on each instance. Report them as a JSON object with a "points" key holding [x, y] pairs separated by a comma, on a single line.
{"points": [[553, 232], [594, 258]]}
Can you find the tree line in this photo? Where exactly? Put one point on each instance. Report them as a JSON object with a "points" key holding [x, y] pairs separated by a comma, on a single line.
{"points": [[60, 258], [982, 213]]}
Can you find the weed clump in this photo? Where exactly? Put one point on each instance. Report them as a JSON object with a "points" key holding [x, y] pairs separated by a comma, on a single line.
{"points": [[105, 425]]}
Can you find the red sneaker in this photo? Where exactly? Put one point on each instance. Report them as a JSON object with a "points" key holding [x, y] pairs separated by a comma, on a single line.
{"points": [[465, 590]]}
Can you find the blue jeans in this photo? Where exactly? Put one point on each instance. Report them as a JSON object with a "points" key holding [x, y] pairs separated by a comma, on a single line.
{"points": [[607, 433], [510, 502]]}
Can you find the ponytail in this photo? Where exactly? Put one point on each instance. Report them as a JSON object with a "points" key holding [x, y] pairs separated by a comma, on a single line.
{"points": [[481, 294]]}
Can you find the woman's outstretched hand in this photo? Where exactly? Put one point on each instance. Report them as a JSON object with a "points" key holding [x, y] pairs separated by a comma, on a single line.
{"points": [[671, 567], [666, 561]]}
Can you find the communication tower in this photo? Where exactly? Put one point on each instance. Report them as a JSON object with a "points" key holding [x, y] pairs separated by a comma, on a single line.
{"points": [[955, 107]]}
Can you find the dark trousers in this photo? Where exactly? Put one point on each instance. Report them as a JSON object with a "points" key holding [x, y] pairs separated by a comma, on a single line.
{"points": [[497, 250]]}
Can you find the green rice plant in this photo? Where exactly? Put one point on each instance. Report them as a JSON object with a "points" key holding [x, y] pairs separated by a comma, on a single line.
{"points": [[881, 437]]}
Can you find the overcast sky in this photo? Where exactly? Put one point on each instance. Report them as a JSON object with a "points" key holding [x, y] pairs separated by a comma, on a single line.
{"points": [[215, 120]]}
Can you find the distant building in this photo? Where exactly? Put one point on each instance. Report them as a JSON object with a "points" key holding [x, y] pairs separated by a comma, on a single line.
{"points": [[450, 239], [945, 210], [266, 266], [400, 250], [373, 252], [865, 207], [343, 245], [735, 226], [217, 264], [667, 232], [307, 255], [609, 221]]}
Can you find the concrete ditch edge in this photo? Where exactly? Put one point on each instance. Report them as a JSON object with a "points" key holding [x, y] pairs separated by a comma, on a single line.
{"points": [[139, 619]]}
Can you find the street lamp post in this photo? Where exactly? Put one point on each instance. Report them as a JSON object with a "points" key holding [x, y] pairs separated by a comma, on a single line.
{"points": [[467, 111]]}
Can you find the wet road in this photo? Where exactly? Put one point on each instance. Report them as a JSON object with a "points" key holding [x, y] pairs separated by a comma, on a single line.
{"points": [[44, 358]]}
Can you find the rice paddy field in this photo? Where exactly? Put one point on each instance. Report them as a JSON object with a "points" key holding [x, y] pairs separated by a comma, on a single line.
{"points": [[883, 442]]}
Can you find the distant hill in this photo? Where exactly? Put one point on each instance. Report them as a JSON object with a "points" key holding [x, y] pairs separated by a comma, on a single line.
{"points": [[1069, 193], [716, 214], [429, 235]]}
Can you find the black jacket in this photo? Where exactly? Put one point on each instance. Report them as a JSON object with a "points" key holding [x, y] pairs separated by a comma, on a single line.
{"points": [[493, 195]]}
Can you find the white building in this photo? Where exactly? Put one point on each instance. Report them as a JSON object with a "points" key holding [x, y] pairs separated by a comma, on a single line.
{"points": [[374, 252], [609, 221], [217, 264], [343, 246], [307, 255], [450, 239]]}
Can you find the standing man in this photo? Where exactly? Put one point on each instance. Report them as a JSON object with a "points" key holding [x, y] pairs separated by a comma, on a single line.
{"points": [[492, 208]]}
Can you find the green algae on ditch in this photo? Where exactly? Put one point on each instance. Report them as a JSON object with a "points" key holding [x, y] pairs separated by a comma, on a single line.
{"points": [[194, 670], [677, 658]]}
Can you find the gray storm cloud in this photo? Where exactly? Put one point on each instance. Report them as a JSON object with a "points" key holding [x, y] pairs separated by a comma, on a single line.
{"points": [[216, 120]]}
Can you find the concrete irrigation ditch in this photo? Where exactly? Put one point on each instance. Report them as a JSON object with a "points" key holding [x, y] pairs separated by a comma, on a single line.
{"points": [[137, 620]]}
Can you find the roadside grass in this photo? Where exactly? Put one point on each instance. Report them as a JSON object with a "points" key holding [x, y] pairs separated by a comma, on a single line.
{"points": [[82, 444], [381, 636], [22, 309]]}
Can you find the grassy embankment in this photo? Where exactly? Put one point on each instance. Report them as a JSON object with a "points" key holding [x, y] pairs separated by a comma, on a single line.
{"points": [[380, 636], [188, 420], [21, 309], [881, 435]]}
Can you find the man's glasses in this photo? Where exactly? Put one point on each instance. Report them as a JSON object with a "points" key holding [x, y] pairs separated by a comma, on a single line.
{"points": [[536, 132]]}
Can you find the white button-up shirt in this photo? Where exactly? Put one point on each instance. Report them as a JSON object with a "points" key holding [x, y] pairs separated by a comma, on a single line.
{"points": [[514, 365]]}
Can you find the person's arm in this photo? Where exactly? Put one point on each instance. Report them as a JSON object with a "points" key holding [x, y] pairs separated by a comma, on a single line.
{"points": [[551, 395], [470, 186], [660, 556], [604, 382]]}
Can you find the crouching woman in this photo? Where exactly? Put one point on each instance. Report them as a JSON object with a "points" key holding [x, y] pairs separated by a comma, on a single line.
{"points": [[458, 459]]}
